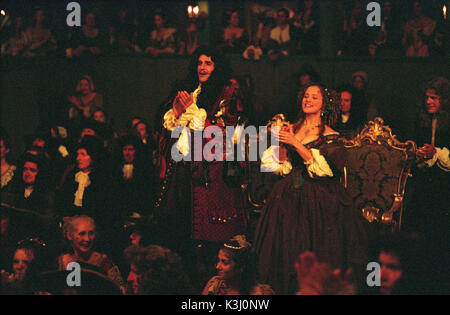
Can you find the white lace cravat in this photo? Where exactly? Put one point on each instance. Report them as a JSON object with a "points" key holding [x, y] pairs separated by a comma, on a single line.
{"points": [[28, 191], [127, 171], [83, 181]]}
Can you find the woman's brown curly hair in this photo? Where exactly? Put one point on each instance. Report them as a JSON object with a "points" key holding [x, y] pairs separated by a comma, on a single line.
{"points": [[330, 107]]}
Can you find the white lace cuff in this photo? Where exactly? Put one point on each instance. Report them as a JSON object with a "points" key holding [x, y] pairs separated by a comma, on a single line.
{"points": [[317, 166], [441, 158], [193, 117], [270, 162]]}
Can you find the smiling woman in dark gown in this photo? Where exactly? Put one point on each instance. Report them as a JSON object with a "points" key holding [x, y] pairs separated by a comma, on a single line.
{"points": [[308, 209]]}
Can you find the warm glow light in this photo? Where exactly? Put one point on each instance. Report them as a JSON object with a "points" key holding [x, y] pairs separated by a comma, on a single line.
{"points": [[2, 12], [444, 10], [193, 11]]}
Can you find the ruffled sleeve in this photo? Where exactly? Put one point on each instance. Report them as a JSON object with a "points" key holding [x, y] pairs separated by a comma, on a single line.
{"points": [[270, 162], [318, 166], [441, 158], [194, 118]]}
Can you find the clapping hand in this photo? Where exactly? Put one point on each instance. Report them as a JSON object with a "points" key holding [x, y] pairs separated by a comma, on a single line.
{"points": [[286, 135], [182, 101], [426, 152]]}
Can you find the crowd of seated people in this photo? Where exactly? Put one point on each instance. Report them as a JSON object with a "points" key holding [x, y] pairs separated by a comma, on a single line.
{"points": [[277, 31], [84, 192]]}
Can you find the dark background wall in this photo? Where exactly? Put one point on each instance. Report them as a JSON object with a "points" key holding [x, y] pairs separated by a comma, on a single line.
{"points": [[35, 91]]}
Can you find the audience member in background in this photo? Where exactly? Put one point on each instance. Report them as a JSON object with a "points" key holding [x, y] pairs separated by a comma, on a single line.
{"points": [[31, 190], [367, 108], [133, 179], [233, 39], [408, 265], [87, 40], [81, 232], [105, 125], [307, 26], [351, 118], [318, 278], [28, 251], [39, 38], [162, 40], [236, 271], [141, 128], [429, 211], [138, 33], [419, 28], [261, 40], [83, 186], [282, 37], [306, 75], [188, 42], [15, 44], [8, 169], [418, 47], [387, 38], [438, 45], [121, 33], [85, 100], [355, 32], [155, 270]]}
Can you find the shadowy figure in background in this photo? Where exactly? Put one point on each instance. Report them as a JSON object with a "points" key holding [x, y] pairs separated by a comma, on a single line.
{"points": [[39, 38], [306, 24], [155, 270], [89, 39], [8, 169], [351, 119], [282, 37], [409, 265], [162, 39], [233, 39], [429, 208]]}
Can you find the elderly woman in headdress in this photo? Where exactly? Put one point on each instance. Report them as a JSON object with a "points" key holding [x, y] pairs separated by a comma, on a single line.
{"points": [[308, 209]]}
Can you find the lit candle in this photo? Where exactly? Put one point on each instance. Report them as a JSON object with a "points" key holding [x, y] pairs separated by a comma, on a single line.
{"points": [[196, 10], [444, 10], [189, 9]]}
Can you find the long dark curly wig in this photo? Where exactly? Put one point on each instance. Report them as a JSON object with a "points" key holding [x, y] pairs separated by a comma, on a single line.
{"points": [[217, 81]]}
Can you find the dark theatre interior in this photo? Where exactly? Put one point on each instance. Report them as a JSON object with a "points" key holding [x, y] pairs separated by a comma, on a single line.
{"points": [[108, 173]]}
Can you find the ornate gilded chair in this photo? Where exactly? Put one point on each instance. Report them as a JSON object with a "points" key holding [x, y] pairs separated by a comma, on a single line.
{"points": [[376, 173]]}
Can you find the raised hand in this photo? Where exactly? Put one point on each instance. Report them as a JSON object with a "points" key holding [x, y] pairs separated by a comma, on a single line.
{"points": [[182, 101], [286, 135], [427, 151]]}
